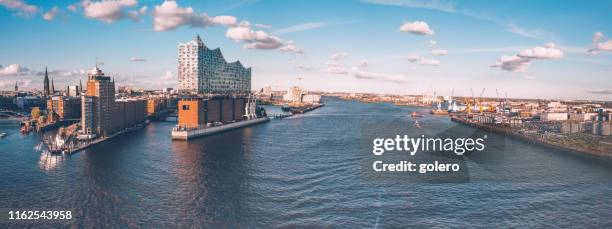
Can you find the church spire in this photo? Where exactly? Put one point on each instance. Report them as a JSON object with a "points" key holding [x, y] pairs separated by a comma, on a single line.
{"points": [[46, 90], [52, 87]]}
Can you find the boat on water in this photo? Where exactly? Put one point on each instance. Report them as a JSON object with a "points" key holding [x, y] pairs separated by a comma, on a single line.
{"points": [[414, 114], [2, 135], [286, 108], [439, 110]]}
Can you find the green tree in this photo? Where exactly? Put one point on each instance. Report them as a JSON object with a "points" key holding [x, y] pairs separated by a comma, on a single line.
{"points": [[36, 113]]}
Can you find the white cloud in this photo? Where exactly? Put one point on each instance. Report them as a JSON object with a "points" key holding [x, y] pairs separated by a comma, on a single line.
{"points": [[547, 52], [529, 33], [80, 72], [430, 62], [441, 5], [291, 47], [600, 46], [12, 70], [363, 63], [361, 74], [169, 16], [18, 5], [439, 52], [72, 7], [304, 67], [224, 20], [417, 27], [51, 14], [136, 15], [301, 27], [432, 43], [168, 76], [422, 60], [334, 68], [254, 39], [512, 63], [263, 26], [137, 59], [601, 91], [521, 61], [107, 11], [413, 58], [338, 56]]}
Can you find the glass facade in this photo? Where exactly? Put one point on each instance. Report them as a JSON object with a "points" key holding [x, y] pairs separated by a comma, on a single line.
{"points": [[204, 70]]}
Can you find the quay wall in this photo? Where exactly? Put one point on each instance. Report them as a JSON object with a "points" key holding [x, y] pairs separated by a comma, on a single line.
{"points": [[534, 140]]}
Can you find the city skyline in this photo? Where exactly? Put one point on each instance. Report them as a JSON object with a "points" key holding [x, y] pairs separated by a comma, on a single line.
{"points": [[382, 46]]}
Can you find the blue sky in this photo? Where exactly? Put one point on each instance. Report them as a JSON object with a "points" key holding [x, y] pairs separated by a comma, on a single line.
{"points": [[535, 49]]}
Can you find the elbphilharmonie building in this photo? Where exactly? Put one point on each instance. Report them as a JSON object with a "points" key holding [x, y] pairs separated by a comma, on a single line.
{"points": [[203, 70]]}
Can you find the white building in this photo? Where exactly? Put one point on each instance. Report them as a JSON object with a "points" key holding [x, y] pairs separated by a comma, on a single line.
{"points": [[294, 94], [73, 90], [203, 70], [311, 98], [553, 116]]}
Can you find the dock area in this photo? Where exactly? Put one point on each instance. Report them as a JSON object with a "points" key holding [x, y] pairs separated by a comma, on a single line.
{"points": [[178, 134], [304, 109], [597, 150]]}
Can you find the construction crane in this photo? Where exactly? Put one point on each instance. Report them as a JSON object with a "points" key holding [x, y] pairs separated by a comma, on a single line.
{"points": [[497, 99], [480, 108], [469, 104]]}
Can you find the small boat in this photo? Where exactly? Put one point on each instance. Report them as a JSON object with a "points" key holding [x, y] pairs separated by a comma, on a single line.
{"points": [[285, 107], [414, 114], [439, 112], [2, 135]]}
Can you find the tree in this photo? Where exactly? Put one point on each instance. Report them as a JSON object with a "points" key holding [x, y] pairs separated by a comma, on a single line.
{"points": [[36, 113]]}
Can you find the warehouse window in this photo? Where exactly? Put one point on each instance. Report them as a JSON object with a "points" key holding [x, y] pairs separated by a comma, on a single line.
{"points": [[185, 107]]}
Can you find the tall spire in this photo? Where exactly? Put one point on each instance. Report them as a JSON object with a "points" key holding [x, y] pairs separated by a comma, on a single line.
{"points": [[46, 90], [52, 87], [80, 86], [16, 87]]}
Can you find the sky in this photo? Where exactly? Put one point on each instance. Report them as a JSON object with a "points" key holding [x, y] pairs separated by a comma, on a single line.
{"points": [[527, 49]]}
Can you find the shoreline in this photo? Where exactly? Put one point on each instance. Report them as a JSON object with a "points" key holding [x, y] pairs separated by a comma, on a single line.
{"points": [[535, 140]]}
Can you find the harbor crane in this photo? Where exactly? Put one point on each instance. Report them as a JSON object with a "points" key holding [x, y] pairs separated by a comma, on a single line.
{"points": [[480, 108]]}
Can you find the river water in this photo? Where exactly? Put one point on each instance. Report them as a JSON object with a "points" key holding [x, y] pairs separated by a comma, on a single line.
{"points": [[300, 171]]}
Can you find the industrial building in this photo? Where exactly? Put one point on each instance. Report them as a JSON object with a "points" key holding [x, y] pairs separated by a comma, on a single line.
{"points": [[198, 112]]}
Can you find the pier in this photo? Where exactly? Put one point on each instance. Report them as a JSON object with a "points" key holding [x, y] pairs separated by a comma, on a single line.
{"points": [[186, 134]]}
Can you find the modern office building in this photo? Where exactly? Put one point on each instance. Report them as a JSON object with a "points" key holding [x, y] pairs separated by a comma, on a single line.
{"points": [[204, 70], [102, 90]]}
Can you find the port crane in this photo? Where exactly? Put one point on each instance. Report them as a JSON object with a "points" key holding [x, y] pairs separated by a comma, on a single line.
{"points": [[480, 108], [469, 104]]}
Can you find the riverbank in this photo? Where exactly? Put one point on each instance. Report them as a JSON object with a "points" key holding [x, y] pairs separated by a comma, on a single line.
{"points": [[539, 139], [81, 145]]}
